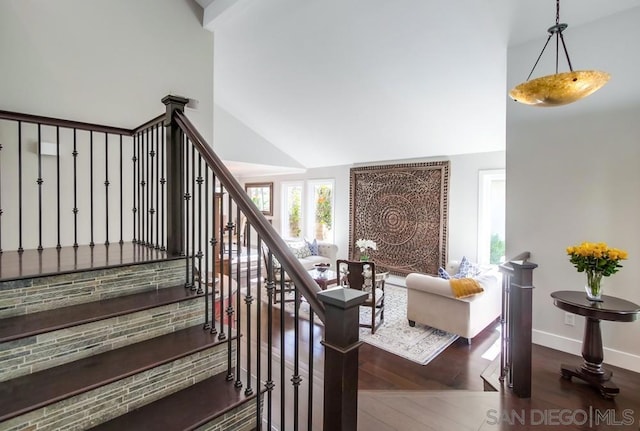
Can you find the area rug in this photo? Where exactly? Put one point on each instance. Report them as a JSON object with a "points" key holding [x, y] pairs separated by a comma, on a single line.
{"points": [[419, 344]]}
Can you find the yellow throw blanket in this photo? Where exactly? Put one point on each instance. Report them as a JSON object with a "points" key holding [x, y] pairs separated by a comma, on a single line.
{"points": [[464, 287]]}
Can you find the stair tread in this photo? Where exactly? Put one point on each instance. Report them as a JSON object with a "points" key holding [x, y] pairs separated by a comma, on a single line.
{"points": [[27, 393], [13, 328], [183, 410]]}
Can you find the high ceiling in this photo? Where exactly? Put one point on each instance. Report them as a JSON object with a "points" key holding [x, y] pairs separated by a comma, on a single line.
{"points": [[343, 81]]}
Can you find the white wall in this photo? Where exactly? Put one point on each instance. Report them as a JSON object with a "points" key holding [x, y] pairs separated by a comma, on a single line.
{"points": [[94, 61], [463, 198], [572, 176], [235, 141], [109, 62]]}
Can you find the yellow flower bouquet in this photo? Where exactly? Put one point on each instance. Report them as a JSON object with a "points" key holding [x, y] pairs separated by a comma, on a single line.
{"points": [[596, 259]]}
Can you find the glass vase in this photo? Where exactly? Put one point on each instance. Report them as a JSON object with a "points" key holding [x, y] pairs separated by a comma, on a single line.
{"points": [[364, 257], [593, 286]]}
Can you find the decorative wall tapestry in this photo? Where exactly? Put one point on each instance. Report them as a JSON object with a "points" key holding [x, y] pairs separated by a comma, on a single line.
{"points": [[404, 209]]}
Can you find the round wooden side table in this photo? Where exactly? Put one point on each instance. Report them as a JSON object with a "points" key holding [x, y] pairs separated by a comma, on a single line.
{"points": [[610, 308]]}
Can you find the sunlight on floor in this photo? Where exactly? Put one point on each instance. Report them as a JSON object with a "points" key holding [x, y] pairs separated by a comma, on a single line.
{"points": [[494, 350]]}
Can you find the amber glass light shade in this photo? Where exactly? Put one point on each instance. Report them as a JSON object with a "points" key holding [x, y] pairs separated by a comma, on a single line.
{"points": [[560, 88]]}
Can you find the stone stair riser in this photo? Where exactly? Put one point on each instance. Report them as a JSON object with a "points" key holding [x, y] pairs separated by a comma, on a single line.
{"points": [[31, 354], [101, 404], [20, 297]]}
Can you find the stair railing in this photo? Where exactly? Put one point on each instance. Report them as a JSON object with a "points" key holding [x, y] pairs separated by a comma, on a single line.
{"points": [[161, 186], [249, 277], [66, 182], [516, 320]]}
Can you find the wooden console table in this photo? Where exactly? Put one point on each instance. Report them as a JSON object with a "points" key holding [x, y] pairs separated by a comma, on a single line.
{"points": [[610, 308]]}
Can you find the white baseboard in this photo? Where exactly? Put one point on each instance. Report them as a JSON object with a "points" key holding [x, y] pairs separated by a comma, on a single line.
{"points": [[614, 357]]}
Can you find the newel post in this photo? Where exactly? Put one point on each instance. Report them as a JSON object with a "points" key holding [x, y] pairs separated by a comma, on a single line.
{"points": [[175, 176], [520, 318], [341, 344]]}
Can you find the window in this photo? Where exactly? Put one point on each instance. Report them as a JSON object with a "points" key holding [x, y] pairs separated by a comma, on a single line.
{"points": [[491, 216], [308, 210], [292, 210], [320, 222]]}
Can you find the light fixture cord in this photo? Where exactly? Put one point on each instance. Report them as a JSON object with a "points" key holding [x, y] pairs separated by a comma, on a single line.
{"points": [[559, 33], [557, 30]]}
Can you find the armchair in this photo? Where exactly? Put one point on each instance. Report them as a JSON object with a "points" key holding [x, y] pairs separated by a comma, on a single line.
{"points": [[362, 276]]}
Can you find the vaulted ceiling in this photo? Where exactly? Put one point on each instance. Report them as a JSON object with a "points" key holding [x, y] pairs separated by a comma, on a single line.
{"points": [[343, 81]]}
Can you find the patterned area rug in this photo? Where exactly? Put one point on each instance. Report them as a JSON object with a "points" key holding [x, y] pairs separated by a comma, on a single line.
{"points": [[419, 344]]}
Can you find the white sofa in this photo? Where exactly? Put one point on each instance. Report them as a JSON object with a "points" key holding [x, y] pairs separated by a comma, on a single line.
{"points": [[327, 253], [431, 302]]}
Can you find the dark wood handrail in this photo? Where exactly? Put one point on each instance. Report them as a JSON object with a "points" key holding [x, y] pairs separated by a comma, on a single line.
{"points": [[154, 121], [49, 121], [303, 281], [506, 266]]}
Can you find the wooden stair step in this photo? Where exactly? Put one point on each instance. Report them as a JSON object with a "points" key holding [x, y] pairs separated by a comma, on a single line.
{"points": [[183, 410], [30, 392], [13, 328]]}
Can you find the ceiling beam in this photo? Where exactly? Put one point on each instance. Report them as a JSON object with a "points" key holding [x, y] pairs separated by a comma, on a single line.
{"points": [[218, 10]]}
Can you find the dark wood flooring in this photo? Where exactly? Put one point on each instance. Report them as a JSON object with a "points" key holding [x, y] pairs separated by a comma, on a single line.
{"points": [[29, 263], [455, 371]]}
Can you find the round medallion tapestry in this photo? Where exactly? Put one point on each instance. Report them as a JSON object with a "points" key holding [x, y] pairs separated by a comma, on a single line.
{"points": [[403, 208]]}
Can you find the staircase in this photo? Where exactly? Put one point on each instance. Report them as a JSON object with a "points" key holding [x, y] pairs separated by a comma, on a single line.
{"points": [[120, 333], [121, 347]]}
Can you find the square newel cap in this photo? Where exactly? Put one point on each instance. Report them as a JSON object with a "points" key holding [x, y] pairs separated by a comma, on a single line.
{"points": [[342, 297]]}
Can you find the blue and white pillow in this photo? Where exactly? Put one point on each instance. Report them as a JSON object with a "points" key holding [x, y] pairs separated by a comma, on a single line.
{"points": [[442, 273], [465, 269], [313, 247]]}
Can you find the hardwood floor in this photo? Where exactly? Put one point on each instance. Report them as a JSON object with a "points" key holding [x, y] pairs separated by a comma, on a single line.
{"points": [[29, 263], [397, 394]]}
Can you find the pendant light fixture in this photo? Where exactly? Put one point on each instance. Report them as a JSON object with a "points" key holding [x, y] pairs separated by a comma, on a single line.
{"points": [[559, 88]]}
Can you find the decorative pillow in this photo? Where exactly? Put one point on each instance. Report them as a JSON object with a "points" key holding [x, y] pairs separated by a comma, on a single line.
{"points": [[465, 269], [313, 247], [300, 249], [465, 287], [442, 273]]}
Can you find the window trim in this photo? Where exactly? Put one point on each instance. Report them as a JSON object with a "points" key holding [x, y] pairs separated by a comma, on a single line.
{"points": [[485, 178]]}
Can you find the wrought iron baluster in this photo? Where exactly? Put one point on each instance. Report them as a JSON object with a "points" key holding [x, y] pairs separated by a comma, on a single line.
{"points": [[238, 382], [152, 209], [200, 180], [212, 242], [147, 206], [282, 350], [223, 279], [121, 196], [163, 181], [205, 275], [296, 379], [310, 378], [144, 159], [39, 182], [193, 211], [141, 189], [20, 249], [269, 384], [187, 198], [91, 243], [157, 211], [58, 245], [230, 310], [259, 398], [106, 187], [75, 188], [248, 301], [134, 159]]}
